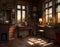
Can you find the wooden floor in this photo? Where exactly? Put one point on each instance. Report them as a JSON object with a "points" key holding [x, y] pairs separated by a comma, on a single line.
{"points": [[29, 42]]}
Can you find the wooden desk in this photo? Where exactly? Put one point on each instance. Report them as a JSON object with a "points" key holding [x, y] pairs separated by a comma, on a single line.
{"points": [[48, 31], [24, 31]]}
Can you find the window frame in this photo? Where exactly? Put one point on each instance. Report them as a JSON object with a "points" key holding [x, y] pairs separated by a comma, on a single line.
{"points": [[22, 11], [47, 21], [57, 4]]}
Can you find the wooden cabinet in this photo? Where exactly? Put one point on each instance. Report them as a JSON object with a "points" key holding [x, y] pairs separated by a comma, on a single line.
{"points": [[11, 32], [6, 32]]}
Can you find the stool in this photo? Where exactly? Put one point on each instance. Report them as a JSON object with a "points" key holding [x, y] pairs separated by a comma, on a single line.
{"points": [[41, 32]]}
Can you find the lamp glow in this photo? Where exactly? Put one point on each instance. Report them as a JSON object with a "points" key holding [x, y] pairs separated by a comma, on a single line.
{"points": [[40, 20]]}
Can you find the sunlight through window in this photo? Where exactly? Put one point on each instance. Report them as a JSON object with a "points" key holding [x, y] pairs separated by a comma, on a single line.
{"points": [[48, 44], [21, 13], [42, 42], [18, 6], [58, 8], [58, 1], [58, 17], [23, 16], [50, 10], [23, 7], [48, 13], [30, 43], [18, 15]]}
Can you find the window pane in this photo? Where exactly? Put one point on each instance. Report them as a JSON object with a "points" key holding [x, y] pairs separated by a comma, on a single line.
{"points": [[50, 3], [50, 10], [46, 18], [18, 6], [46, 11], [18, 15], [23, 7], [23, 16], [58, 17], [58, 1], [46, 5], [50, 18], [58, 8]]}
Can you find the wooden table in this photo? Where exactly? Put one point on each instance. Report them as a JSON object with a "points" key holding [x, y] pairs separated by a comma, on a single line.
{"points": [[24, 31]]}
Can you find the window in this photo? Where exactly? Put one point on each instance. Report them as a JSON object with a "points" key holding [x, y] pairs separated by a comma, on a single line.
{"points": [[58, 1], [48, 12], [58, 8], [21, 13], [58, 12], [50, 3], [18, 6], [58, 17], [18, 15], [46, 18], [46, 5], [23, 7], [23, 16]]}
